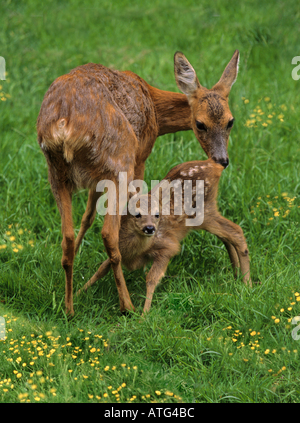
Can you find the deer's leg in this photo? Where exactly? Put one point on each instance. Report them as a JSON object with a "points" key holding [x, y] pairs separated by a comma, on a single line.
{"points": [[153, 278], [88, 217], [110, 235], [139, 171], [63, 198], [101, 272], [232, 234], [232, 255]]}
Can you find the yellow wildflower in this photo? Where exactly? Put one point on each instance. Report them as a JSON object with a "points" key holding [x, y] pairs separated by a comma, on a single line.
{"points": [[170, 394]]}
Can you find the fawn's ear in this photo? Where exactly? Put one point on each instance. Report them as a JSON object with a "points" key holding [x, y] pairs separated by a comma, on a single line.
{"points": [[185, 74], [229, 75]]}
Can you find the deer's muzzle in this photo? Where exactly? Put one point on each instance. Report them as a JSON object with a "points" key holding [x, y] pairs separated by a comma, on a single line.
{"points": [[149, 230], [223, 162]]}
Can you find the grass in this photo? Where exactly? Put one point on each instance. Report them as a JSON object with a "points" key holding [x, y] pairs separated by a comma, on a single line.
{"points": [[208, 338]]}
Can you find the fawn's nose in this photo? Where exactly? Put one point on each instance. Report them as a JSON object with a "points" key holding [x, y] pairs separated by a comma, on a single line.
{"points": [[223, 162], [149, 230]]}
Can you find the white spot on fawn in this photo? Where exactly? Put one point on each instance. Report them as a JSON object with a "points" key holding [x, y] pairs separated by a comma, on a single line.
{"points": [[193, 170]]}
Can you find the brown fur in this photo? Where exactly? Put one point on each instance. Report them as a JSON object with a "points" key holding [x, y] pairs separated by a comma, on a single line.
{"points": [[95, 122], [137, 249]]}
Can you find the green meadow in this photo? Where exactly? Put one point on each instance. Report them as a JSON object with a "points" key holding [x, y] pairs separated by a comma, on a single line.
{"points": [[208, 337]]}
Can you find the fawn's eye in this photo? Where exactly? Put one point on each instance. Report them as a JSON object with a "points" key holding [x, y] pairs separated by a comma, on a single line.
{"points": [[201, 126], [230, 124], [157, 215], [138, 215]]}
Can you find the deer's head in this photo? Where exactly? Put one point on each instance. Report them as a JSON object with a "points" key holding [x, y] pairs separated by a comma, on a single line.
{"points": [[144, 215], [210, 113]]}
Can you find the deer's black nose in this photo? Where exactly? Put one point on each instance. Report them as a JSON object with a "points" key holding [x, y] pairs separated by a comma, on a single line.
{"points": [[223, 162], [149, 230]]}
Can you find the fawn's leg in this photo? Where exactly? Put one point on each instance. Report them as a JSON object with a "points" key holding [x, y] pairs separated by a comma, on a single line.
{"points": [[101, 272], [233, 234], [88, 217], [232, 255], [153, 278]]}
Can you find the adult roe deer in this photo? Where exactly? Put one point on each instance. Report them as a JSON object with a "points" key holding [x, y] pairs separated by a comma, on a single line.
{"points": [[148, 235], [95, 122]]}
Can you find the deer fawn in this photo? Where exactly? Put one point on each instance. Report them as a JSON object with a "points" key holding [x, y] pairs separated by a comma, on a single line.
{"points": [[156, 237], [95, 122]]}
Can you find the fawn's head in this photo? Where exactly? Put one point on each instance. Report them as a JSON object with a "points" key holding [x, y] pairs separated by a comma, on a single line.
{"points": [[211, 116], [144, 215]]}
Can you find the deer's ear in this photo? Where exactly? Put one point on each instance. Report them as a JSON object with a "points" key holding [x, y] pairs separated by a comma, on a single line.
{"points": [[185, 74], [229, 75]]}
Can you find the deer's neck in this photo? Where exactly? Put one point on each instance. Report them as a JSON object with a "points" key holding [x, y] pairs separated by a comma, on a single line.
{"points": [[172, 110]]}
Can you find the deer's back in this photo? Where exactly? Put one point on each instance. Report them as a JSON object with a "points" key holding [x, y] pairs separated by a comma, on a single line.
{"points": [[99, 115]]}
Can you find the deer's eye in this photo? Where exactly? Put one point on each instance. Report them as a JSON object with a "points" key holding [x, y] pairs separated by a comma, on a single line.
{"points": [[201, 126], [138, 215], [230, 124], [157, 215]]}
